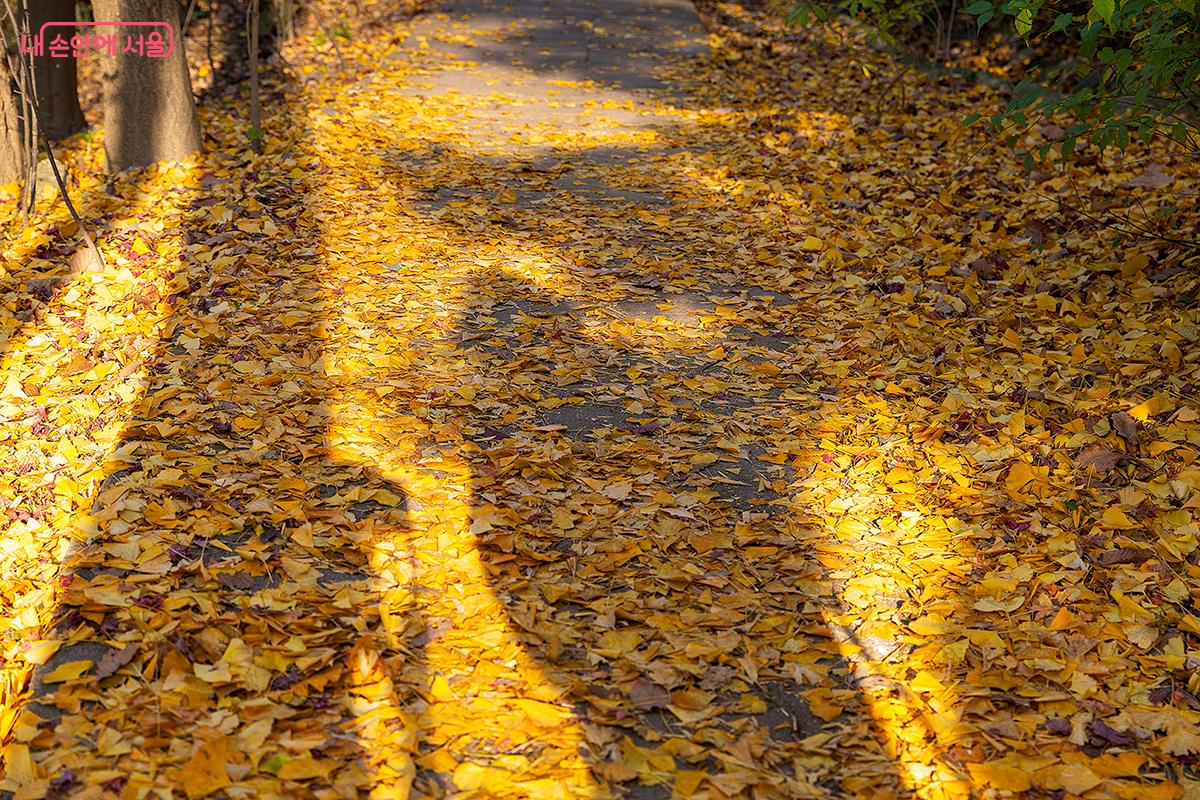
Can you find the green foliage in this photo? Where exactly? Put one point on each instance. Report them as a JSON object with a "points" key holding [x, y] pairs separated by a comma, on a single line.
{"points": [[1135, 74], [884, 19], [1112, 71]]}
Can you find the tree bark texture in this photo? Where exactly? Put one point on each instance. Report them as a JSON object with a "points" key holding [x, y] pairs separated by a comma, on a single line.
{"points": [[55, 78], [149, 111]]}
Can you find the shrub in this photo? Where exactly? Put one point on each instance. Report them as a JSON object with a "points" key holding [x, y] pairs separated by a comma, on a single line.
{"points": [[1134, 76]]}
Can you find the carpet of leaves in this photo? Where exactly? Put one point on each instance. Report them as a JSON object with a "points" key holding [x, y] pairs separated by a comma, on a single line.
{"points": [[732, 442]]}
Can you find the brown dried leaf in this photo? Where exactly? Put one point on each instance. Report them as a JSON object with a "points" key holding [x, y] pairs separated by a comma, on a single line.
{"points": [[646, 695], [1124, 555], [1126, 427], [1099, 458], [236, 580], [113, 660]]}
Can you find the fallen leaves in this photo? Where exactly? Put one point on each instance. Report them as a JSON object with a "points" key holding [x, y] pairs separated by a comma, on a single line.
{"points": [[576, 442]]}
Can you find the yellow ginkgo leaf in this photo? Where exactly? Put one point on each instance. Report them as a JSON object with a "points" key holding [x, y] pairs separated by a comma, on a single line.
{"points": [[68, 671]]}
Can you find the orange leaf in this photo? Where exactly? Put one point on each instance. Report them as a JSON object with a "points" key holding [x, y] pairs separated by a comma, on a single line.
{"points": [[205, 772]]}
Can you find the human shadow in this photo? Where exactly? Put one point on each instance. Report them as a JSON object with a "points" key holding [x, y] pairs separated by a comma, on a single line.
{"points": [[629, 498], [655, 439]]}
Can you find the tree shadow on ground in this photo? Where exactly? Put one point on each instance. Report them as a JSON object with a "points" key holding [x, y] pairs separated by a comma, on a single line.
{"points": [[234, 563]]}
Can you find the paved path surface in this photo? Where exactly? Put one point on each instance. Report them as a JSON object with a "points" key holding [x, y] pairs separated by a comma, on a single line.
{"points": [[560, 157]]}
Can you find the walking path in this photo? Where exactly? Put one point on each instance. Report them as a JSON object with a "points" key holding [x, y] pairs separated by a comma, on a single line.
{"points": [[532, 422]]}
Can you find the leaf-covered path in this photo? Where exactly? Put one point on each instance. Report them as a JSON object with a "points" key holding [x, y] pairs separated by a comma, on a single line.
{"points": [[566, 409]]}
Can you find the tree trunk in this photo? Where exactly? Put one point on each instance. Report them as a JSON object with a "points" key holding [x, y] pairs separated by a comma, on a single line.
{"points": [[149, 113], [18, 123], [252, 19], [12, 165], [55, 78]]}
